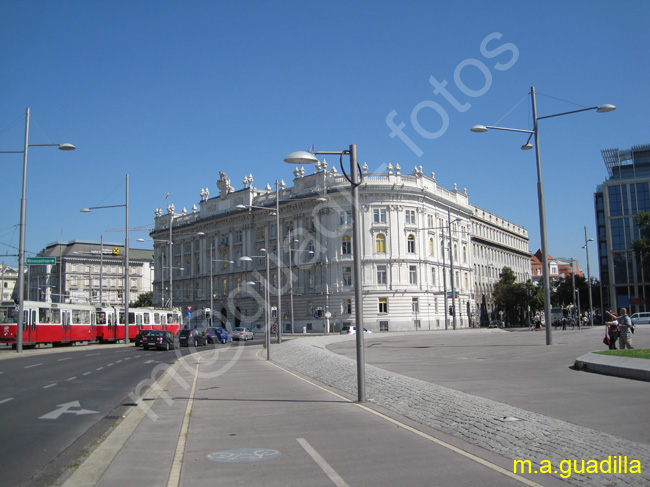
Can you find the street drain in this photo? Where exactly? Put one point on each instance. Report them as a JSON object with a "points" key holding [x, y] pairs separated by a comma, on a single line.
{"points": [[509, 419]]}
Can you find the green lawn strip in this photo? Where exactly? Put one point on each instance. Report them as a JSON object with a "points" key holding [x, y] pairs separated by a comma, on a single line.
{"points": [[645, 353]]}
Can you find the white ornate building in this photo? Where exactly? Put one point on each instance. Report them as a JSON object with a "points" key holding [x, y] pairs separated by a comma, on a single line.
{"points": [[416, 235]]}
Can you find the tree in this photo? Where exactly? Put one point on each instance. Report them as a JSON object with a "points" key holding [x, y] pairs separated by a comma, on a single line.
{"points": [[144, 299], [511, 297]]}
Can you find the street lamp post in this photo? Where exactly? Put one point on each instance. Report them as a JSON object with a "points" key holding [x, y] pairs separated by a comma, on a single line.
{"points": [[21, 244], [127, 284], [278, 257], [591, 307], [302, 157], [540, 194], [267, 300], [212, 279], [311, 252]]}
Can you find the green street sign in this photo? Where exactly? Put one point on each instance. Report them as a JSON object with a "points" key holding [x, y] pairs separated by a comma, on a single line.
{"points": [[40, 260]]}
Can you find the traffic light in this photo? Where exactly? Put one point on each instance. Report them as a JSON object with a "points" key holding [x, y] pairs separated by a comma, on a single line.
{"points": [[451, 311], [274, 312]]}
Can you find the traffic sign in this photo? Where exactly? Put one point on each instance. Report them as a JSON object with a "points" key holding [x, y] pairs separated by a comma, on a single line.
{"points": [[40, 260]]}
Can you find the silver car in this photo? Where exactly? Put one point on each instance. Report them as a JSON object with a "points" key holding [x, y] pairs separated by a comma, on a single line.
{"points": [[242, 334]]}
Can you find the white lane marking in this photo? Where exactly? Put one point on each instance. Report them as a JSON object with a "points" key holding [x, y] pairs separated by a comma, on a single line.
{"points": [[6, 400], [86, 373], [71, 378], [35, 365], [108, 365], [67, 408], [100, 368], [48, 386], [62, 359], [174, 479], [91, 354], [326, 467]]}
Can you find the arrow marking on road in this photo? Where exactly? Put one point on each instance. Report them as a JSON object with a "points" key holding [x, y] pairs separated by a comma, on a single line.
{"points": [[67, 408]]}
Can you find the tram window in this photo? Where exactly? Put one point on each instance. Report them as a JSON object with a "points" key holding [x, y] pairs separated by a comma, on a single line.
{"points": [[147, 318], [163, 320], [43, 315], [139, 318], [55, 316], [156, 318], [131, 318], [101, 318]]}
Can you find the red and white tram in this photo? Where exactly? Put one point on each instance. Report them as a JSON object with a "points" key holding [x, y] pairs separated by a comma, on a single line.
{"points": [[62, 324], [53, 323]]}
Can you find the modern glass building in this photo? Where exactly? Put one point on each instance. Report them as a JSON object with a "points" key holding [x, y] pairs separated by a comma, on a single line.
{"points": [[617, 201]]}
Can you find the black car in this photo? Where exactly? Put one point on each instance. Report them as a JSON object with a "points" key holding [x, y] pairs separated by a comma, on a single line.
{"points": [[160, 339], [194, 337], [138, 337]]}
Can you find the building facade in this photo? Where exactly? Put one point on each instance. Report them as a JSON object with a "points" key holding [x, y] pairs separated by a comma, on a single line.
{"points": [[417, 252], [496, 243], [617, 202], [89, 272], [8, 280]]}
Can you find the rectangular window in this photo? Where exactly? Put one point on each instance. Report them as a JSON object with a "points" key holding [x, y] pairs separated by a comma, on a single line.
{"points": [[260, 233], [346, 217], [379, 215], [347, 306], [415, 305], [347, 276], [409, 216], [381, 274], [413, 274], [383, 326], [383, 305]]}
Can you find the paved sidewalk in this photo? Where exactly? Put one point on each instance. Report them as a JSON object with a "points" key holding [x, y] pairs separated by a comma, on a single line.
{"points": [[228, 417], [241, 420]]}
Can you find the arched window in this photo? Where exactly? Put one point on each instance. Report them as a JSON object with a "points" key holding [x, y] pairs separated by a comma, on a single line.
{"points": [[464, 254], [346, 247], [380, 242], [432, 247], [410, 244]]}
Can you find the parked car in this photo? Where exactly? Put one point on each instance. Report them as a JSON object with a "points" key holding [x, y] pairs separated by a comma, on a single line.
{"points": [[220, 335], [194, 337], [139, 335], [641, 318], [351, 330], [242, 334], [160, 339], [497, 324]]}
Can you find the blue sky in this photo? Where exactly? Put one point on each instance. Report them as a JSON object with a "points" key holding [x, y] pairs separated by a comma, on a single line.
{"points": [[173, 92]]}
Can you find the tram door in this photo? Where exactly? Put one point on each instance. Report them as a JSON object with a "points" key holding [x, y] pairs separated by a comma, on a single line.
{"points": [[66, 319], [112, 325], [31, 327]]}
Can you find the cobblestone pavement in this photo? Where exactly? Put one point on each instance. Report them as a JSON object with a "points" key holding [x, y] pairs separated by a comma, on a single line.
{"points": [[512, 432]]}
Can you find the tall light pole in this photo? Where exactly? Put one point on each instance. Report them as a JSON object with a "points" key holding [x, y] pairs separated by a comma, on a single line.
{"points": [[278, 256], [540, 194], [21, 243], [267, 300], [591, 307], [302, 157], [212, 259], [127, 284]]}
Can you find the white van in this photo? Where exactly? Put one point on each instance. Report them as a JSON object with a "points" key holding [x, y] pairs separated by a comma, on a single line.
{"points": [[641, 318]]}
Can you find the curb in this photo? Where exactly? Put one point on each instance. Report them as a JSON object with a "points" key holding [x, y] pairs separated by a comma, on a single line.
{"points": [[628, 368]]}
